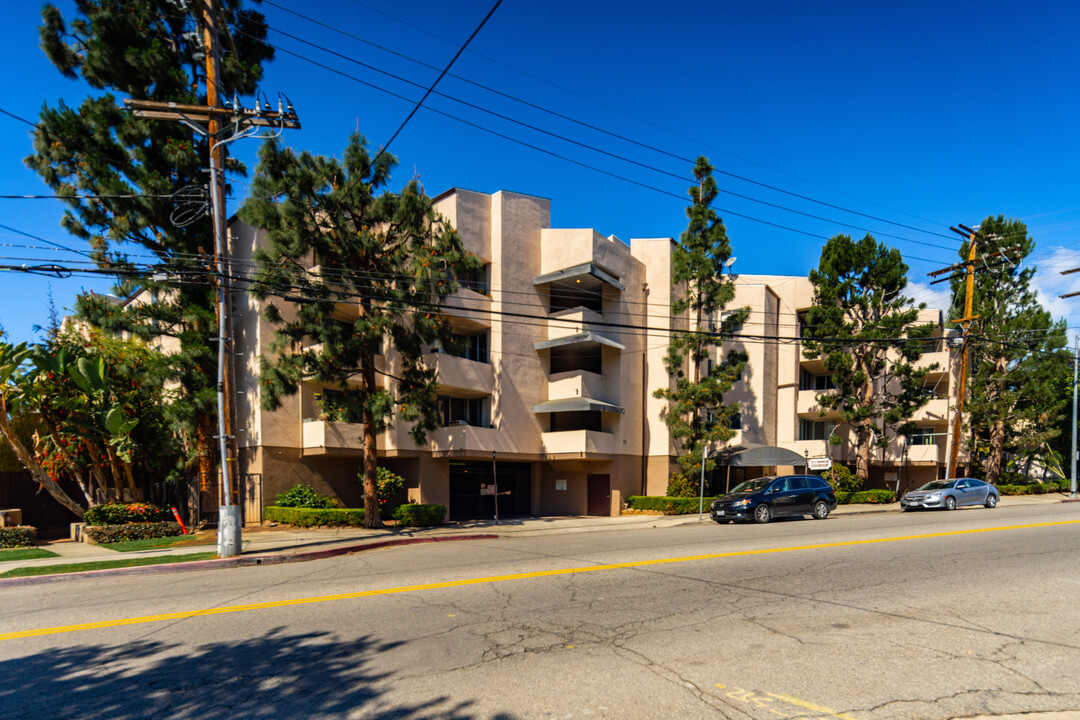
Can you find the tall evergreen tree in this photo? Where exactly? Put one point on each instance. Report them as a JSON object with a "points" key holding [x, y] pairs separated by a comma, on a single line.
{"points": [[131, 167], [390, 256], [1019, 359], [860, 324], [699, 372]]}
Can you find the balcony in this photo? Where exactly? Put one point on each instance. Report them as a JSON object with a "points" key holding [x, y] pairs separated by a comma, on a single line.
{"points": [[563, 323], [466, 440], [936, 410], [324, 437], [929, 358], [461, 377], [927, 454], [577, 443], [575, 384], [807, 405], [468, 310]]}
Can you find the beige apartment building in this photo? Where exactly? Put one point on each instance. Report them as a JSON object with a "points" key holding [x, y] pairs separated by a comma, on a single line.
{"points": [[566, 331]]}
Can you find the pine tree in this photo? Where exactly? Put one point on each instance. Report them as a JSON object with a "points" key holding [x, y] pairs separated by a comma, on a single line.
{"points": [[149, 50], [1018, 360], [700, 374], [390, 256], [859, 315]]}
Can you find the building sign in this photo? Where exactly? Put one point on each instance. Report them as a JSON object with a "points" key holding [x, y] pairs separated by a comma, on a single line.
{"points": [[560, 483], [819, 463]]}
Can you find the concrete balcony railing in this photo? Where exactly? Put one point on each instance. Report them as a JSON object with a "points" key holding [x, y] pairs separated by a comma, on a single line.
{"points": [[578, 443], [578, 383], [468, 310], [467, 378], [925, 453], [466, 440], [324, 437], [942, 359], [807, 405], [936, 410], [576, 320]]}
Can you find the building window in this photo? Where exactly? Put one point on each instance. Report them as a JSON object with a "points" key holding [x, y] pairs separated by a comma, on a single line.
{"points": [[804, 327], [578, 420], [815, 430], [922, 436], [470, 347], [567, 359], [477, 280], [464, 411], [566, 295], [736, 421], [809, 381]]}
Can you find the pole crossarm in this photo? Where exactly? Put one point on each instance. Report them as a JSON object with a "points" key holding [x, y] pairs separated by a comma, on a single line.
{"points": [[157, 110]]}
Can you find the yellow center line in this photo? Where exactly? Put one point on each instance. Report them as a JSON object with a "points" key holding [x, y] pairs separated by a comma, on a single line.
{"points": [[493, 579]]}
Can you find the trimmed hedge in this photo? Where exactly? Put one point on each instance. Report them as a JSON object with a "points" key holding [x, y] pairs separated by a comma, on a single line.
{"points": [[18, 536], [667, 505], [122, 513], [310, 517], [1031, 489], [871, 497], [415, 515], [132, 531]]}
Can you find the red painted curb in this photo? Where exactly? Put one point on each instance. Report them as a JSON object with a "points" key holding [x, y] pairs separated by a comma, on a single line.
{"points": [[240, 561]]}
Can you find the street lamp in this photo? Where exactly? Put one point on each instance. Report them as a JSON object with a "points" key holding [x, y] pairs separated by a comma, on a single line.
{"points": [[701, 488]]}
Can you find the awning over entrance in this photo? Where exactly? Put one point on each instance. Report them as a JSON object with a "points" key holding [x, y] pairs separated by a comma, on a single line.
{"points": [[583, 338], [578, 404], [759, 456], [577, 272]]}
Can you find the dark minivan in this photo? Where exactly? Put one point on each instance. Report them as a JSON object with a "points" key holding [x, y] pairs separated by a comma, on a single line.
{"points": [[767, 497]]}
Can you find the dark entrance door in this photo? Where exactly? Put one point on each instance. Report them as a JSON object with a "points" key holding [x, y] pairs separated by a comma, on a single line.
{"points": [[599, 495], [468, 476]]}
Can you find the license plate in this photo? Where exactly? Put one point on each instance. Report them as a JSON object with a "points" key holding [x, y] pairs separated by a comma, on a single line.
{"points": [[718, 512]]}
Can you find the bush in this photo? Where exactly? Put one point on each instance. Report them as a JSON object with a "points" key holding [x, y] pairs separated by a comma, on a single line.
{"points": [[132, 531], [415, 515], [841, 479], [18, 536], [122, 513], [1030, 489], [668, 505], [872, 497], [310, 517], [682, 486], [389, 490], [302, 496]]}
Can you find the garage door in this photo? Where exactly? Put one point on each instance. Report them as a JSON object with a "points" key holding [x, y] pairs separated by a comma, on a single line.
{"points": [[467, 478]]}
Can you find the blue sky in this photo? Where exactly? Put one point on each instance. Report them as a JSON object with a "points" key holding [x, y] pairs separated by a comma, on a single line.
{"points": [[924, 114]]}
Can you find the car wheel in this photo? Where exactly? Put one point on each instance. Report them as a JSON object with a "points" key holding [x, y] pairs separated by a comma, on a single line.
{"points": [[991, 501], [821, 510], [950, 503], [762, 513]]}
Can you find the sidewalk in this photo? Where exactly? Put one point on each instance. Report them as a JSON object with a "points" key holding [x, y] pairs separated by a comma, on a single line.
{"points": [[264, 544]]}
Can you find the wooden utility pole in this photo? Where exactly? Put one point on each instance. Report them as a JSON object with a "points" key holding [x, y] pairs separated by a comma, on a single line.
{"points": [[965, 322], [208, 120]]}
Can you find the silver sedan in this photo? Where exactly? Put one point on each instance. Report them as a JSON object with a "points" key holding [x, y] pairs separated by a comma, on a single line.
{"points": [[950, 494]]}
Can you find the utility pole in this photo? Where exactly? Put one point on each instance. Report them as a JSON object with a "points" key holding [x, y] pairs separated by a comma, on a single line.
{"points": [[207, 120], [965, 322], [1072, 464]]}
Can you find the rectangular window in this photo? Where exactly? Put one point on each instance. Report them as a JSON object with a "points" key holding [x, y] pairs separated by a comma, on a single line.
{"points": [[566, 359], [809, 381], [579, 420], [566, 295], [815, 430], [470, 347], [477, 280], [922, 436], [464, 411]]}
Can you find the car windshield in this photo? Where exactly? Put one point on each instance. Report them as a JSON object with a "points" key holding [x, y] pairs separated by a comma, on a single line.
{"points": [[938, 485], [752, 485]]}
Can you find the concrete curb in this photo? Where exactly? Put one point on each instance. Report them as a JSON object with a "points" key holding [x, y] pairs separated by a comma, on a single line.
{"points": [[239, 561]]}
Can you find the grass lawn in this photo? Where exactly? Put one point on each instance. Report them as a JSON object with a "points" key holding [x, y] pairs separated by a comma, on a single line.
{"points": [[153, 543], [25, 553], [105, 564]]}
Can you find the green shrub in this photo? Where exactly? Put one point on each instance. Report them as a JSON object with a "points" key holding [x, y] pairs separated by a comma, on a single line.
{"points": [[302, 496], [122, 513], [389, 490], [668, 505], [682, 486], [132, 531], [18, 536], [310, 517], [1030, 489], [841, 479], [872, 497], [415, 515]]}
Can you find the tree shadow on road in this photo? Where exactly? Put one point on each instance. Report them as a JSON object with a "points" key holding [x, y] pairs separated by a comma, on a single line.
{"points": [[277, 675]]}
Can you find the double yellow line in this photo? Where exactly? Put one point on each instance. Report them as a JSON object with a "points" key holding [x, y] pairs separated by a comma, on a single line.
{"points": [[491, 579]]}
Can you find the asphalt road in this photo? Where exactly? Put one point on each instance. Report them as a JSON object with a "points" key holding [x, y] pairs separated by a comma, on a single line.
{"points": [[926, 615]]}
